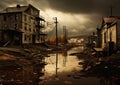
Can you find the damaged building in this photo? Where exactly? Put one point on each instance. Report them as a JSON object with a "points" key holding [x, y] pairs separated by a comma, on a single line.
{"points": [[21, 25], [111, 34]]}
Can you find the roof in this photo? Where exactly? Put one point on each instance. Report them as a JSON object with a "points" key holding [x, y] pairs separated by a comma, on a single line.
{"points": [[111, 19], [15, 9], [18, 8]]}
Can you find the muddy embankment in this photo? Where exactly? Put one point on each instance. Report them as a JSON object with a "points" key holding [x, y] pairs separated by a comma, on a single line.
{"points": [[102, 67]]}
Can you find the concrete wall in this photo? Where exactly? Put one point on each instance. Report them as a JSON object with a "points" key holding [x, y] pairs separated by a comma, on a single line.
{"points": [[112, 35], [104, 33]]}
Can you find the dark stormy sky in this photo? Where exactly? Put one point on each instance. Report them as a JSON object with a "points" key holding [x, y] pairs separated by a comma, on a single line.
{"points": [[80, 16]]}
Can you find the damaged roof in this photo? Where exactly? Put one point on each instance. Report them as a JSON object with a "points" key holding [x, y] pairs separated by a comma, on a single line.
{"points": [[18, 8], [111, 19]]}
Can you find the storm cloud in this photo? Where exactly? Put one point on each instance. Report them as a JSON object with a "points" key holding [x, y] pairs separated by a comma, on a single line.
{"points": [[6, 3], [80, 16], [70, 6], [85, 6]]}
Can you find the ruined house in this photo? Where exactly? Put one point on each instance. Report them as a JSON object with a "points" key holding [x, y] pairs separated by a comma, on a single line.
{"points": [[21, 25], [110, 33]]}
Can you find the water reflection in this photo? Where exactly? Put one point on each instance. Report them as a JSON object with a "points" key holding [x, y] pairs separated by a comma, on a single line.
{"points": [[21, 71], [69, 71], [64, 54], [66, 63]]}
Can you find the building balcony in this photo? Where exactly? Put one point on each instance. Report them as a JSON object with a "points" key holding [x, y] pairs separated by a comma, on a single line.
{"points": [[40, 34], [40, 26], [43, 34], [40, 18]]}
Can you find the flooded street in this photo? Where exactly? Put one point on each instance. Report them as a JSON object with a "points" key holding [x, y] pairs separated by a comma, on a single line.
{"points": [[67, 70], [43, 71]]}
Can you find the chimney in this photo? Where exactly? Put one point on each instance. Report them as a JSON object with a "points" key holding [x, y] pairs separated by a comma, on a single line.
{"points": [[18, 6]]}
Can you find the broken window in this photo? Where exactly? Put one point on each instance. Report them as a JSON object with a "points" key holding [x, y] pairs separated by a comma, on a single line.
{"points": [[4, 18], [16, 17], [25, 18], [33, 30], [38, 37], [29, 38], [30, 19], [25, 37], [15, 26], [25, 28], [110, 36], [30, 29], [105, 37]]}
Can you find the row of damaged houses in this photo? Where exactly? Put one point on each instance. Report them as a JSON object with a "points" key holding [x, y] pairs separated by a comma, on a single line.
{"points": [[107, 38], [21, 25]]}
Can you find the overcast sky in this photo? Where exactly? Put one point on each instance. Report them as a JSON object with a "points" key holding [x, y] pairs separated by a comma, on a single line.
{"points": [[80, 16]]}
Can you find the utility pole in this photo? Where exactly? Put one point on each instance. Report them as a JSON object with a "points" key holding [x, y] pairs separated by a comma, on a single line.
{"points": [[111, 11], [56, 22]]}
